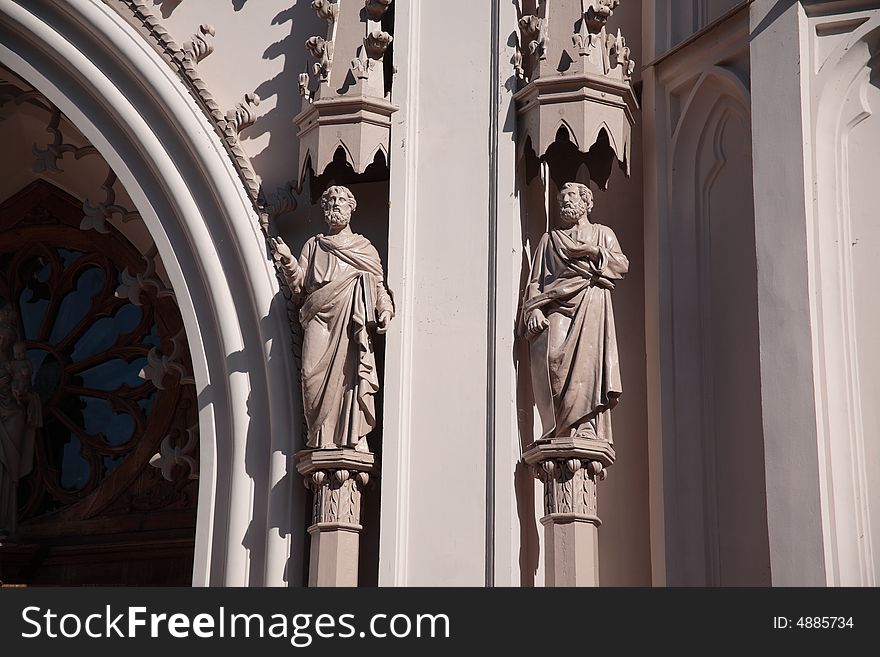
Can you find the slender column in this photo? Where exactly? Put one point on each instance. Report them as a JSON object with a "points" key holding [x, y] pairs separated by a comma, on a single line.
{"points": [[337, 478], [570, 468]]}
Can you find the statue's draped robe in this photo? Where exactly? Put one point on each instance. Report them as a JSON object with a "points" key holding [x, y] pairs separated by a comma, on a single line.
{"points": [[17, 429], [574, 362], [344, 292]]}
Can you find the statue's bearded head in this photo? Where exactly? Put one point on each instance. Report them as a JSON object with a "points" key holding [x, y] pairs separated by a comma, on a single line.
{"points": [[338, 203], [575, 201]]}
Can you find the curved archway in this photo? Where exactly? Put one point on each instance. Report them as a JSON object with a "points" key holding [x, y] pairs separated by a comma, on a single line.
{"points": [[847, 132], [714, 379], [124, 98]]}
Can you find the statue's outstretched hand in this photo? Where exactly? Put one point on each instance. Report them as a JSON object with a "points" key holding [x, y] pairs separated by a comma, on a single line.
{"points": [[282, 251], [383, 321], [536, 322]]}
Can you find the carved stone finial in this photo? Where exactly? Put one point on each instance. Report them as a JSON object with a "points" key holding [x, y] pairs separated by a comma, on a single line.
{"points": [[619, 55], [304, 79], [598, 13], [338, 115], [202, 43], [95, 217], [243, 115], [377, 8], [376, 43], [171, 453], [326, 9], [322, 50], [534, 30], [577, 73], [362, 65]]}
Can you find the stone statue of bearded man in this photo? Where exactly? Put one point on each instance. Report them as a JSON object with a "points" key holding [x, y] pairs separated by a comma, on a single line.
{"points": [[340, 279], [568, 318]]}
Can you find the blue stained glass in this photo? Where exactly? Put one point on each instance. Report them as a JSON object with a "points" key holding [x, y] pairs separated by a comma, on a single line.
{"points": [[99, 417], [152, 338], [77, 302], [33, 306], [36, 357], [32, 314], [74, 468], [68, 256], [104, 333], [114, 374], [146, 404]]}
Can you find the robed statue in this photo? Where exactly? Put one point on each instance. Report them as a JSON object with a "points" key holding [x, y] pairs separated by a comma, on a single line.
{"points": [[569, 321], [340, 281], [20, 415]]}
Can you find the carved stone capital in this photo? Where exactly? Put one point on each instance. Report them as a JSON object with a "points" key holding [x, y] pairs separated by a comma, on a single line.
{"points": [[337, 478], [570, 488], [570, 468]]}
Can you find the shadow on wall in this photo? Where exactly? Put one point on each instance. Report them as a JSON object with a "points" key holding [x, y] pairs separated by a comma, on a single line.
{"points": [[167, 7], [533, 221], [277, 162], [286, 505], [284, 508]]}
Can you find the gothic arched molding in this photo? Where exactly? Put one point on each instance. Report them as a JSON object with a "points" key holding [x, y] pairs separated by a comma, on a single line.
{"points": [[704, 238], [122, 95], [846, 52], [727, 83]]}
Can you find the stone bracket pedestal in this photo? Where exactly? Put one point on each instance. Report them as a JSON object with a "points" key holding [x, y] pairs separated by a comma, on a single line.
{"points": [[570, 468], [337, 478]]}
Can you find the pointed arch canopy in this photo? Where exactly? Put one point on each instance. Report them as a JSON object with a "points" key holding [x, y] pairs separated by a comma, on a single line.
{"points": [[112, 84]]}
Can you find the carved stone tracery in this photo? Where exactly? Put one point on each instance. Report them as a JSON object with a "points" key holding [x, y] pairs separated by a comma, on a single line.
{"points": [[99, 429], [348, 110], [579, 83]]}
